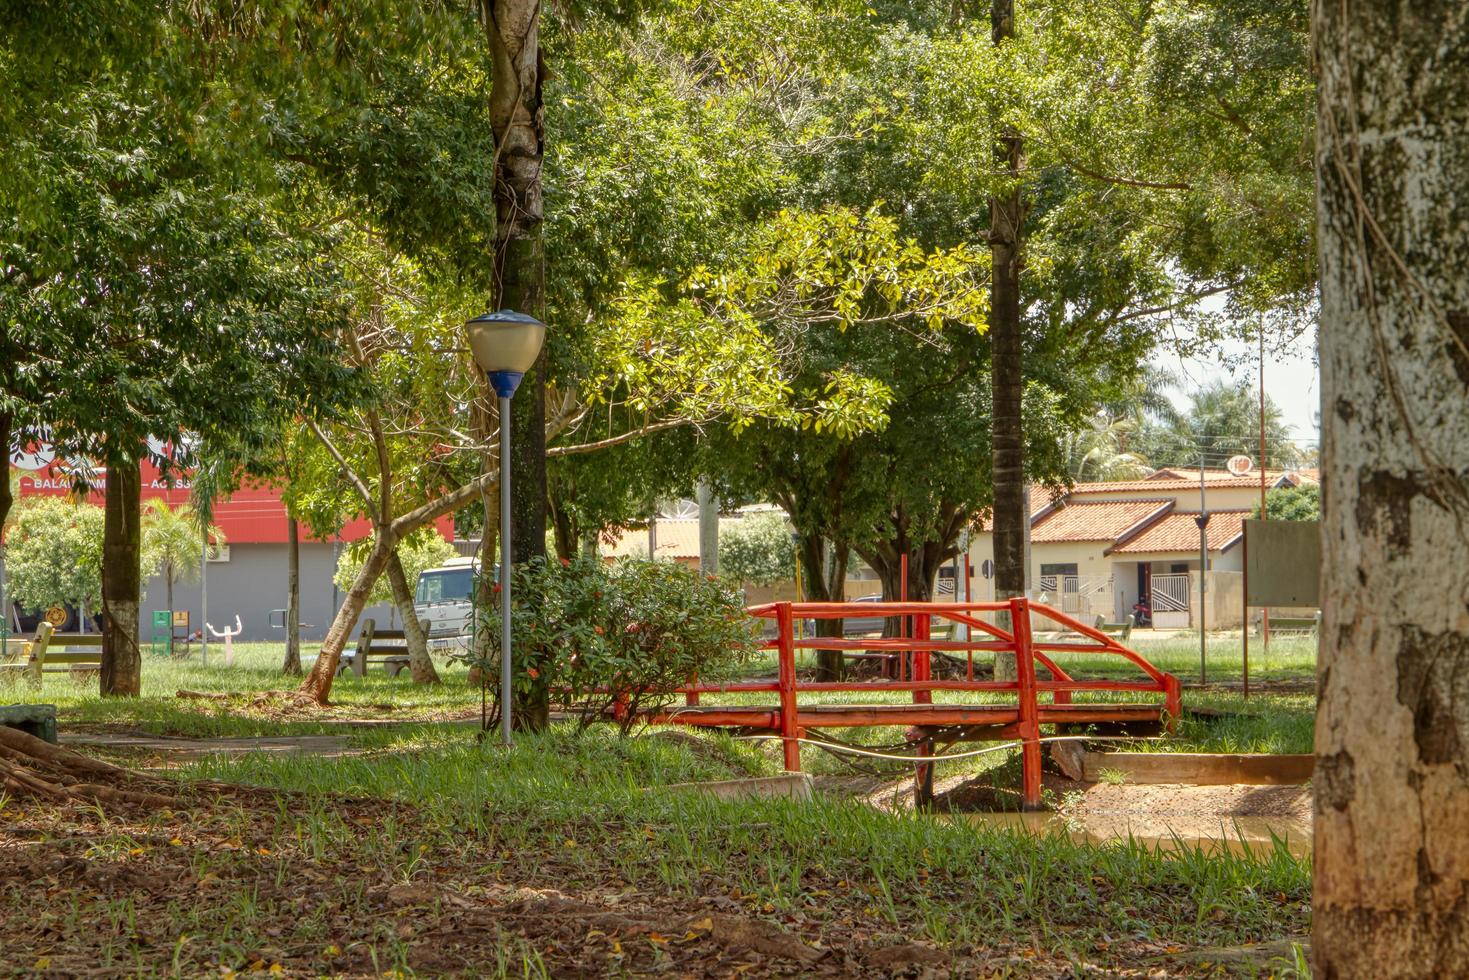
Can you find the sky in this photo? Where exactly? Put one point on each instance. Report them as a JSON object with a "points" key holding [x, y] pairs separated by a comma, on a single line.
{"points": [[1292, 379]]}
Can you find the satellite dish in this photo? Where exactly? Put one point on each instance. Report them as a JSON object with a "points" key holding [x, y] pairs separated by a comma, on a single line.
{"points": [[1239, 465]]}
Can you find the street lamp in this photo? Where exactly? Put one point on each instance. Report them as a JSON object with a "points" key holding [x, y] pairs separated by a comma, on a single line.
{"points": [[505, 346]]}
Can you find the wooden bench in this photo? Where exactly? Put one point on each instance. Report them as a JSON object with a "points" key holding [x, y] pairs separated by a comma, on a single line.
{"points": [[1305, 625], [1122, 630], [387, 647], [52, 653]]}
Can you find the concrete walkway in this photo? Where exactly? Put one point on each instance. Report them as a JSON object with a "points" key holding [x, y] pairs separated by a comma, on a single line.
{"points": [[184, 749]]}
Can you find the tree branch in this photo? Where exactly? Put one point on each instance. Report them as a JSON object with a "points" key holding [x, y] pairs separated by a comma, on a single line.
{"points": [[356, 481]]}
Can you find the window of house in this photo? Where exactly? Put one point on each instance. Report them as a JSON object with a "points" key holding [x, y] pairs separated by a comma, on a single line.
{"points": [[1061, 569]]}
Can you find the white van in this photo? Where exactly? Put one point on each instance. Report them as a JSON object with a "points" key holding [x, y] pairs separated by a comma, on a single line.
{"points": [[444, 597]]}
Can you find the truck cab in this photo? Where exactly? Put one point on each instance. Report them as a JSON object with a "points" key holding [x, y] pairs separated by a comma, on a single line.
{"points": [[445, 598]]}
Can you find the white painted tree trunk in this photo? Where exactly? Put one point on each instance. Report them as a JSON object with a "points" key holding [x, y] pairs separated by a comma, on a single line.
{"points": [[1392, 740]]}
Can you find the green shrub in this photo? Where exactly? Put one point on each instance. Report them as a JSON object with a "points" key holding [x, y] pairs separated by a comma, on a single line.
{"points": [[592, 635]]}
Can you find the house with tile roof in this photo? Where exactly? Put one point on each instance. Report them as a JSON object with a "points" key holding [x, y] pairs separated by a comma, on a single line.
{"points": [[1097, 548]]}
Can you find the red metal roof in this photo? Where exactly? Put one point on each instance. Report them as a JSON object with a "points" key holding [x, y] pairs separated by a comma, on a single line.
{"points": [[252, 515], [1179, 533], [1103, 520]]}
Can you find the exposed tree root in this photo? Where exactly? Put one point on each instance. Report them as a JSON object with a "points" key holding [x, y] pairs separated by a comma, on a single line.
{"points": [[30, 766]]}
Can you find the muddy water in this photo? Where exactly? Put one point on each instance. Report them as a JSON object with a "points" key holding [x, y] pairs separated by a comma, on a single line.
{"points": [[1166, 830]]}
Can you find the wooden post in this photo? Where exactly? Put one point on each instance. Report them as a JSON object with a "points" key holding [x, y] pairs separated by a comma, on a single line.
{"points": [[787, 679], [923, 777], [1030, 729], [36, 663]]}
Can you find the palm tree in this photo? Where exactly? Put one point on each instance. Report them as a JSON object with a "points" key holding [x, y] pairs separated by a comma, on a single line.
{"points": [[171, 545], [1099, 452], [1223, 420]]}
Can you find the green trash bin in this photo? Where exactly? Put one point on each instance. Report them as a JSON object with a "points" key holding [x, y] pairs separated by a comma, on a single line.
{"points": [[162, 633]]}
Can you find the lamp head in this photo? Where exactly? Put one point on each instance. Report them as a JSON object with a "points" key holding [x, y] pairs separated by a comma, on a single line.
{"points": [[505, 345]]}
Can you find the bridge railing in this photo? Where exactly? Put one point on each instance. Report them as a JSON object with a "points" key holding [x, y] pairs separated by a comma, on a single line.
{"points": [[913, 652]]}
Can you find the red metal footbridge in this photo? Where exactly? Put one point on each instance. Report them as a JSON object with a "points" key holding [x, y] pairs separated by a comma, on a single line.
{"points": [[1034, 702]]}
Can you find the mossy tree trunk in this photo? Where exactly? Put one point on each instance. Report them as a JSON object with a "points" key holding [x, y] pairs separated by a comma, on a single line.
{"points": [[1391, 892]]}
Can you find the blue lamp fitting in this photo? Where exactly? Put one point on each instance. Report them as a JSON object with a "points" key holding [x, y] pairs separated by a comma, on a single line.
{"points": [[505, 382]]}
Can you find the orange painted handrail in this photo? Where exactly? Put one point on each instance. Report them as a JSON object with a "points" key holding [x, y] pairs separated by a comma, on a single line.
{"points": [[918, 646]]}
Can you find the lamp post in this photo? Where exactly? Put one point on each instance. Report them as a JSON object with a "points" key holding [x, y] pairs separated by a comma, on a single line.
{"points": [[505, 346]]}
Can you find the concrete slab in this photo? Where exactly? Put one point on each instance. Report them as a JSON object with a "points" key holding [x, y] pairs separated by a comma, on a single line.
{"points": [[791, 785], [33, 719]]}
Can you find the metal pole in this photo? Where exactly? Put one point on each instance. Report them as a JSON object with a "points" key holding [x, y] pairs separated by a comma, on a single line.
{"points": [[204, 597], [1203, 570], [1245, 610], [505, 678], [1264, 611]]}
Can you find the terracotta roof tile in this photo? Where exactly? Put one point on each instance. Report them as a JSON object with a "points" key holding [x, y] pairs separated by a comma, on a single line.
{"points": [[1104, 520], [1165, 481], [1179, 533]]}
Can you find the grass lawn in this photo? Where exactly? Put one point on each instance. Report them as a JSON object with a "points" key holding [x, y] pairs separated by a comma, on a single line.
{"points": [[561, 856], [434, 853]]}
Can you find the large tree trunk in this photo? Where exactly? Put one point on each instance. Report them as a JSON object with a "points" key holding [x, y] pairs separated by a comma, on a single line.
{"points": [[1007, 369], [822, 585], [122, 661], [516, 119], [318, 683], [292, 663], [7, 500], [1391, 894], [420, 664], [562, 525]]}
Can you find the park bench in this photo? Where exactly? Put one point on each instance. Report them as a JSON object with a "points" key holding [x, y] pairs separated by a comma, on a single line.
{"points": [[387, 647], [1304, 625], [50, 652], [1122, 630]]}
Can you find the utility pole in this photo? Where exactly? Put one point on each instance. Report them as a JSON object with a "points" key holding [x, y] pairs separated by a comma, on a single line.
{"points": [[1265, 611], [1203, 521]]}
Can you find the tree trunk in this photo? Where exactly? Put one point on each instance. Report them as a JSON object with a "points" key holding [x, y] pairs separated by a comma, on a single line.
{"points": [[420, 664], [516, 119], [292, 663], [318, 683], [823, 587], [562, 526], [1007, 368], [122, 661], [7, 500], [485, 596], [168, 591], [1391, 895]]}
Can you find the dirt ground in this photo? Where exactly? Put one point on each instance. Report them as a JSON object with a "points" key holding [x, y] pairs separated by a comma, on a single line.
{"points": [[230, 883]]}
